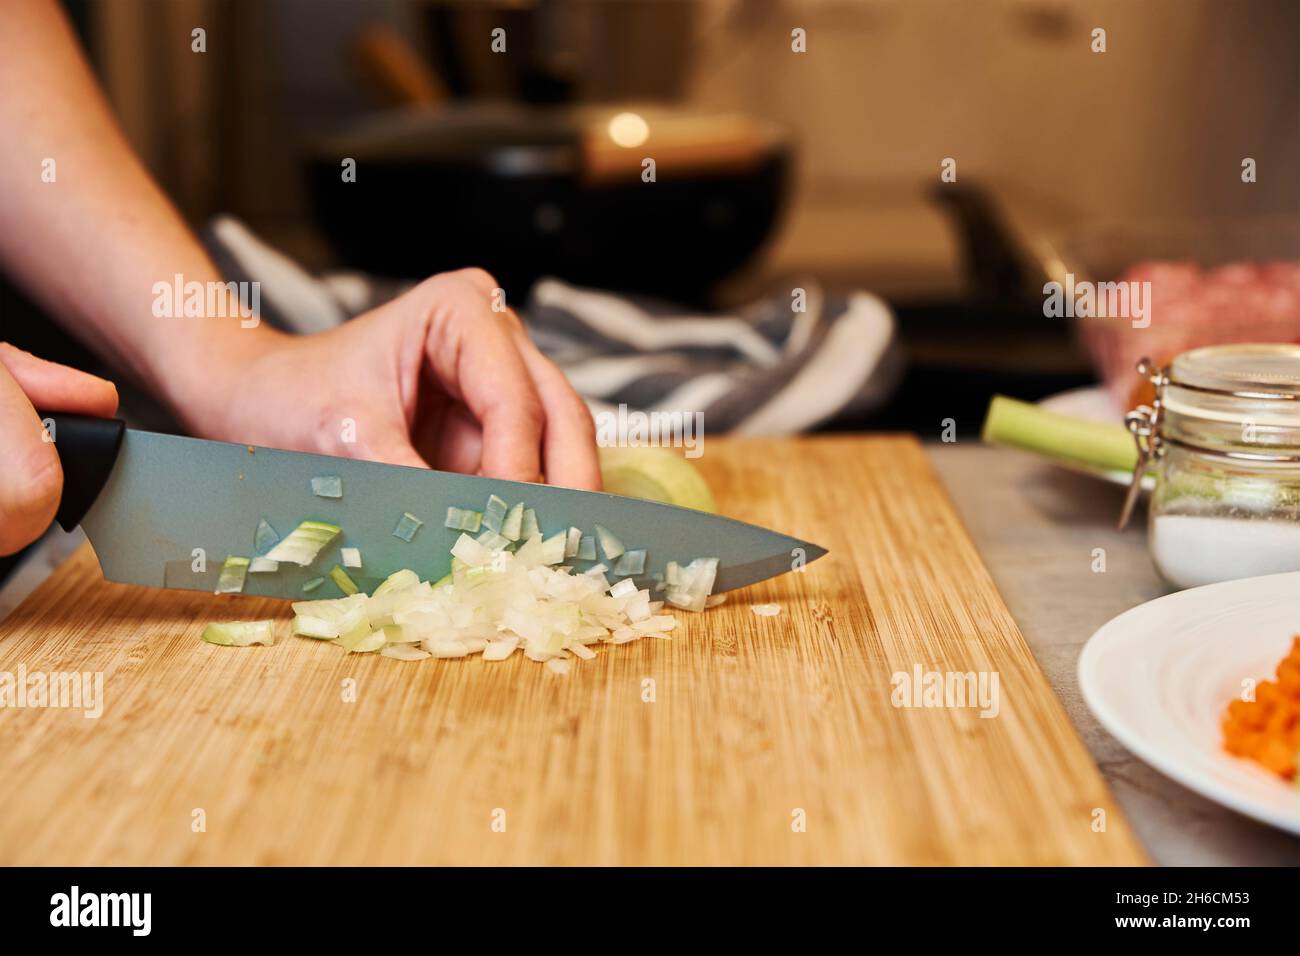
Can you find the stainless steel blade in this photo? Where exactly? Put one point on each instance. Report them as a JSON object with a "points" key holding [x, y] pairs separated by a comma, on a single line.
{"points": [[174, 508]]}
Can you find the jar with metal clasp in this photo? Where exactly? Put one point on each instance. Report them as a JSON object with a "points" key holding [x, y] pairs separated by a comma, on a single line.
{"points": [[1222, 439]]}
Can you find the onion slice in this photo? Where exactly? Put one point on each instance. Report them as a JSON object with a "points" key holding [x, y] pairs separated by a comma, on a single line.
{"points": [[327, 486], [233, 572], [609, 543], [265, 538], [240, 633], [341, 578], [407, 525], [304, 543]]}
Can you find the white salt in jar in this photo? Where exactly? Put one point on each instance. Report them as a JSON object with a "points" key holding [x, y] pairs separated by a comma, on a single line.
{"points": [[1223, 437]]}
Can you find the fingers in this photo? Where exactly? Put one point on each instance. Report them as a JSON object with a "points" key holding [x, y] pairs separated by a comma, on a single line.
{"points": [[459, 443], [31, 480], [569, 436], [57, 388], [473, 352], [529, 419]]}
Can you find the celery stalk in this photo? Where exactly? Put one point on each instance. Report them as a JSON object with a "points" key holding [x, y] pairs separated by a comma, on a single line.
{"points": [[1098, 445]]}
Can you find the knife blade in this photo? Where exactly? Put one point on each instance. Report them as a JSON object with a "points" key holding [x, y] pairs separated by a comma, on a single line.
{"points": [[165, 511]]}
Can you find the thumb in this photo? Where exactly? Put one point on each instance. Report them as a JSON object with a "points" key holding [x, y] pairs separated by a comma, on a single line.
{"points": [[31, 479]]}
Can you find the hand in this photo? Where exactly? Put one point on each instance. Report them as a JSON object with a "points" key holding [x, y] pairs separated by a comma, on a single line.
{"points": [[31, 479], [435, 378]]}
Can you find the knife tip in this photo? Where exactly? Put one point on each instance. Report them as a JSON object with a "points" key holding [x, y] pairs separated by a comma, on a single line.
{"points": [[812, 551]]}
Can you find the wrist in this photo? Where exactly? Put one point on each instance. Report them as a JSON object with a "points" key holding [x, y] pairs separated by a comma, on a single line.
{"points": [[200, 371]]}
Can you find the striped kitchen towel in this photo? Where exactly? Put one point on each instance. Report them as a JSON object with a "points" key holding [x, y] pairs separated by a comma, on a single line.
{"points": [[783, 365]]}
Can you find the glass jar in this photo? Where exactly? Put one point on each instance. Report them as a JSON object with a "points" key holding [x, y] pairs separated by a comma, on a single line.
{"points": [[1223, 438]]}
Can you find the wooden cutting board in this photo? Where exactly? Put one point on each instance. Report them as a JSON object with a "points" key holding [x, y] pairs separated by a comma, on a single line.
{"points": [[744, 740]]}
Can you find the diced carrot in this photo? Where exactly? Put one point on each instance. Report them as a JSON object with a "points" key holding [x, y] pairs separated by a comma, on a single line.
{"points": [[1277, 757], [1267, 729], [1237, 742], [1238, 710], [1288, 678], [1280, 721], [1248, 713]]}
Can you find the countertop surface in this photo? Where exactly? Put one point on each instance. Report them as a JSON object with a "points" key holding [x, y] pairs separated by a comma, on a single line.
{"points": [[1037, 527]]}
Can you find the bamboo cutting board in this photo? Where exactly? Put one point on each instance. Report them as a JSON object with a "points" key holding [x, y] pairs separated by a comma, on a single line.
{"points": [[744, 740]]}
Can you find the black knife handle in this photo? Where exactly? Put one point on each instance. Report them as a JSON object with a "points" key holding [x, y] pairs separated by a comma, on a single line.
{"points": [[87, 449]]}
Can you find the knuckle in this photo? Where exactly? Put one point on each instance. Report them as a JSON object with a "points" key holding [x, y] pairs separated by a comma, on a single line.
{"points": [[480, 279]]}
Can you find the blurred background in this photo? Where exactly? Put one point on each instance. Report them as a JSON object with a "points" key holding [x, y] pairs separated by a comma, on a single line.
{"points": [[776, 169]]}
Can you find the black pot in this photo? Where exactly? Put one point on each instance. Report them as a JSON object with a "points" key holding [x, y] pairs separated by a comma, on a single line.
{"points": [[505, 188]]}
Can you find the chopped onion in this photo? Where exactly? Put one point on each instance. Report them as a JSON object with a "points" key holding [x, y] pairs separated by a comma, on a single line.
{"points": [[766, 610], [586, 548], [529, 527], [494, 513], [553, 549], [262, 566], [447, 649], [507, 591], [396, 581], [312, 584], [264, 538], [304, 543], [500, 650], [623, 588], [608, 543], [407, 526], [492, 540], [370, 643], [512, 526], [470, 551], [461, 519], [231, 579], [398, 634], [689, 587], [355, 630], [327, 486], [345, 583], [240, 633], [405, 652], [631, 562], [317, 627]]}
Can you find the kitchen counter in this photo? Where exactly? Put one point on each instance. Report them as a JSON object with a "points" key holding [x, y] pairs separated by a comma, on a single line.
{"points": [[1037, 527]]}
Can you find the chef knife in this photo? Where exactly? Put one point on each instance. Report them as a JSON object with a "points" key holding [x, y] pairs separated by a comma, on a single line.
{"points": [[166, 511]]}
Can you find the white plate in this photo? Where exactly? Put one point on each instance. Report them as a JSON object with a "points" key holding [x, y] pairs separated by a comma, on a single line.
{"points": [[1093, 403], [1158, 677]]}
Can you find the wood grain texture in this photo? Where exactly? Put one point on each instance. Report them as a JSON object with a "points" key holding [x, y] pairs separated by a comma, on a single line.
{"points": [[754, 718]]}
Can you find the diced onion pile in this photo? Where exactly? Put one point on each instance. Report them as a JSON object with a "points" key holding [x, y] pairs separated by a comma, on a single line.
{"points": [[509, 590], [497, 602]]}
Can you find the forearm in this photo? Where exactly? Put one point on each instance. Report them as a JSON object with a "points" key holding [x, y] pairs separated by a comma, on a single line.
{"points": [[91, 245]]}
